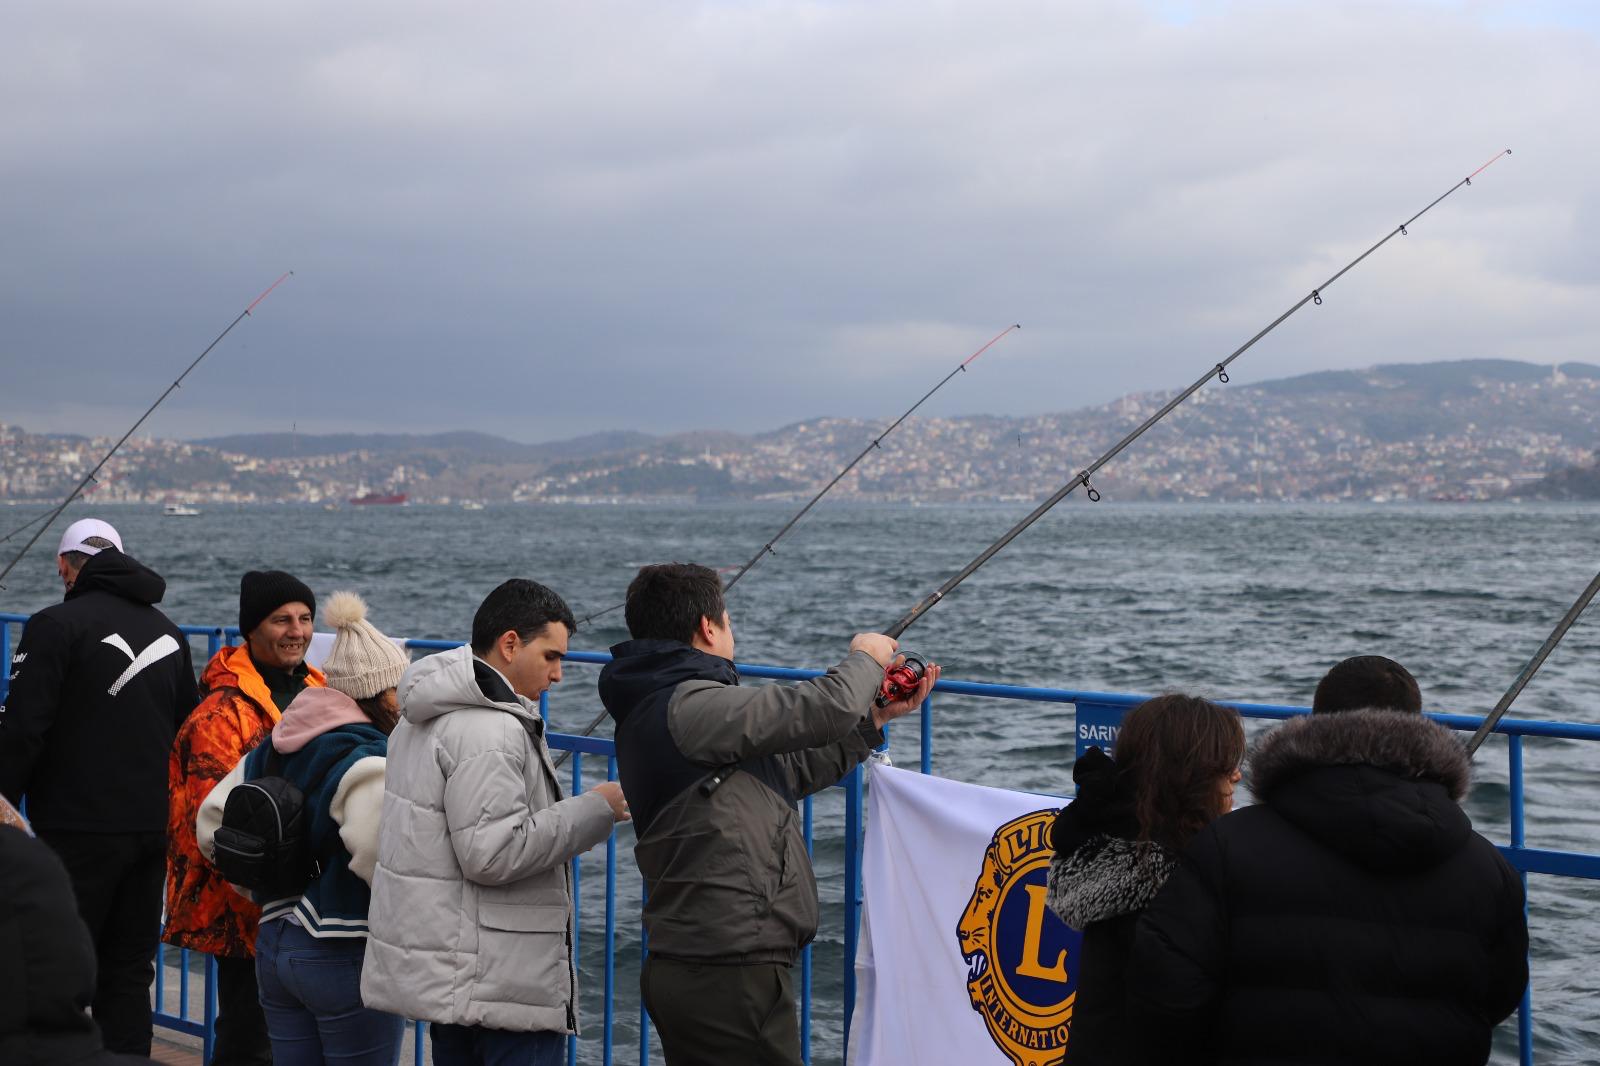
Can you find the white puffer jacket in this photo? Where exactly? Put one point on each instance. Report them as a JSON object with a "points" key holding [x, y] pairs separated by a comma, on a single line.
{"points": [[471, 919]]}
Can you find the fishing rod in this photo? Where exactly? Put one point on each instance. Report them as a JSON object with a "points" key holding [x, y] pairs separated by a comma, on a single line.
{"points": [[1549, 645], [768, 548], [29, 524], [53, 515], [1219, 371]]}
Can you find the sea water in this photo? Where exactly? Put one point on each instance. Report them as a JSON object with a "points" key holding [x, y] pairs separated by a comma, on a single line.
{"points": [[1248, 603]]}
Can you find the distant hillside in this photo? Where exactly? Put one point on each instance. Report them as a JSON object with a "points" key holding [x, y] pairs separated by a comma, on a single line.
{"points": [[1467, 429], [1459, 377]]}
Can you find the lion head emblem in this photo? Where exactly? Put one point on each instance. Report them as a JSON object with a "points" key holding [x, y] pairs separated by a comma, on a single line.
{"points": [[1017, 951]]}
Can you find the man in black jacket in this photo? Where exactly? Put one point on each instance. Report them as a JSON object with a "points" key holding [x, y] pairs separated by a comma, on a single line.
{"points": [[99, 685], [1352, 915]]}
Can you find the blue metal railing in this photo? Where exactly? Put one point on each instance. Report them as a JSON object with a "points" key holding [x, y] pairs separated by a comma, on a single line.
{"points": [[1090, 707]]}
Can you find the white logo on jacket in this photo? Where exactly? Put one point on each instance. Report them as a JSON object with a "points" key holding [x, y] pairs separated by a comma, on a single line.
{"points": [[159, 649]]}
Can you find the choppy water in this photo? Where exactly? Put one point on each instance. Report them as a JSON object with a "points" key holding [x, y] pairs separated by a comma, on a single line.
{"points": [[1236, 602]]}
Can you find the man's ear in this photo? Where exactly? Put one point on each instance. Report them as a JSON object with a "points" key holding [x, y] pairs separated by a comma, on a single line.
{"points": [[507, 644], [705, 631]]}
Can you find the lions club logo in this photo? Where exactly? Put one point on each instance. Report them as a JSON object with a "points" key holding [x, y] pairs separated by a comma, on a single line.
{"points": [[1016, 949]]}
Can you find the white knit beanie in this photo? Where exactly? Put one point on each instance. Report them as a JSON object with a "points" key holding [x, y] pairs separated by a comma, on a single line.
{"points": [[363, 661]]}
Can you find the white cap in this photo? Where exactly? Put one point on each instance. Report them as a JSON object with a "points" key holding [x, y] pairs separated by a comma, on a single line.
{"points": [[81, 530]]}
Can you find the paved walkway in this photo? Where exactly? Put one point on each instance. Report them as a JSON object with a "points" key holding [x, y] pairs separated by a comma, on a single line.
{"points": [[166, 1051]]}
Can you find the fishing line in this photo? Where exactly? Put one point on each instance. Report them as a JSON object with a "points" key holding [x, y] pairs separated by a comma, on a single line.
{"points": [[1549, 645], [53, 515], [768, 548], [1219, 371], [29, 524]]}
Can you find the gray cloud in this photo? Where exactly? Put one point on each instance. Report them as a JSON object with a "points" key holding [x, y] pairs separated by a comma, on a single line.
{"points": [[541, 220]]}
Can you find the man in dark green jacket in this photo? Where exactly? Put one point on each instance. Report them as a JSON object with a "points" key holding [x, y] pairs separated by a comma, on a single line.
{"points": [[714, 773]]}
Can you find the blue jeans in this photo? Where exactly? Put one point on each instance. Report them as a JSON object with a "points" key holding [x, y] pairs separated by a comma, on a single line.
{"points": [[472, 1045], [311, 994]]}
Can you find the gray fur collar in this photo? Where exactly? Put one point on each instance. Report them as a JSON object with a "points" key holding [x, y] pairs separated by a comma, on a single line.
{"points": [[1406, 744], [1107, 877]]}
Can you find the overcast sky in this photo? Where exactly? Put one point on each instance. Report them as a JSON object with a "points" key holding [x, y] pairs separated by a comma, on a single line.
{"points": [[541, 220]]}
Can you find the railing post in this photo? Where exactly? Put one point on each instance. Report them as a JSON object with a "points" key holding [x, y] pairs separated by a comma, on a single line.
{"points": [[577, 879], [644, 956], [1519, 839], [927, 734], [5, 660], [852, 891], [209, 1041], [161, 978], [611, 927], [183, 984], [805, 954]]}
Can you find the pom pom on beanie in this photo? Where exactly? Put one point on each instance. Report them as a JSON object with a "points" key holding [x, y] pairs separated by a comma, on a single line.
{"points": [[363, 661]]}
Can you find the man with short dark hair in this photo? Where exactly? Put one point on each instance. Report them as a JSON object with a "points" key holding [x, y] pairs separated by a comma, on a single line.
{"points": [[100, 685], [1351, 915], [714, 773], [1367, 681], [247, 688], [471, 923]]}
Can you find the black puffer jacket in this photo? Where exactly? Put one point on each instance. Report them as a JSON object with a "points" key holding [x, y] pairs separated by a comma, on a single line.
{"points": [[1101, 878], [99, 685], [47, 963], [1352, 916]]}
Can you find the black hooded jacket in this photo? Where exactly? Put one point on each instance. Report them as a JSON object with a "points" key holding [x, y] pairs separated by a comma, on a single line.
{"points": [[1102, 877], [1351, 916], [47, 963], [99, 686]]}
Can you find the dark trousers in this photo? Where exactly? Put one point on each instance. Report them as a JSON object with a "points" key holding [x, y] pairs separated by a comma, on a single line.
{"points": [[473, 1045], [714, 1015], [118, 880], [241, 1026]]}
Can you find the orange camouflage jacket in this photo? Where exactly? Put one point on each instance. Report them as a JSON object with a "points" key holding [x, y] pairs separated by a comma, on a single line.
{"points": [[203, 912]]}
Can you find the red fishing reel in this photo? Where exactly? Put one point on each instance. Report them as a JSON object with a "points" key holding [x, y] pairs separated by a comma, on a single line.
{"points": [[900, 682]]}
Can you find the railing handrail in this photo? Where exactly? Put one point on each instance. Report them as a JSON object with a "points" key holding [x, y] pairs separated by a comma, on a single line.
{"points": [[1525, 727]]}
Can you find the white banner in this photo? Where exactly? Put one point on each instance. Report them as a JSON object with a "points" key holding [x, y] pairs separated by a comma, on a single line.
{"points": [[321, 646], [960, 960]]}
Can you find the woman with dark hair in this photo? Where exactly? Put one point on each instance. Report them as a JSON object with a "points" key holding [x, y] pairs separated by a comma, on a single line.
{"points": [[1117, 842]]}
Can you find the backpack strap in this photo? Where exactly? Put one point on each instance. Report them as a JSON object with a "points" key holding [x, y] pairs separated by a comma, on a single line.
{"points": [[274, 761]]}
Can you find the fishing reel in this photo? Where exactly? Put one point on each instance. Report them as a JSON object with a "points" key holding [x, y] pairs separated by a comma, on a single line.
{"points": [[900, 682]]}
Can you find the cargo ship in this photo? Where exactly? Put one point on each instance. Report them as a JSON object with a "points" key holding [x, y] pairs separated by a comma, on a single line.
{"points": [[378, 497]]}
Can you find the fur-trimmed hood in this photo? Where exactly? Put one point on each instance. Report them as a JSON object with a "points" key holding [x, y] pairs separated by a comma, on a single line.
{"points": [[1100, 871], [1107, 877], [1380, 787], [1408, 745]]}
